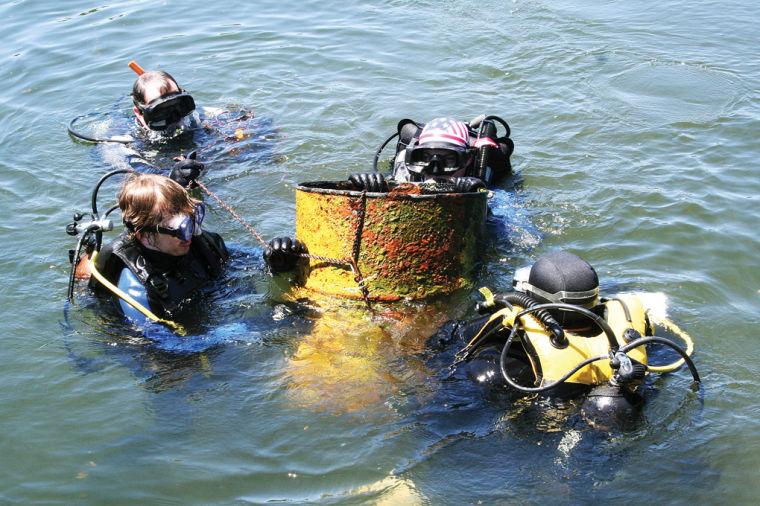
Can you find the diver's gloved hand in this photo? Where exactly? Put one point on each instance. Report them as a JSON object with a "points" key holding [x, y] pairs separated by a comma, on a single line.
{"points": [[370, 181], [186, 171], [282, 253], [467, 184]]}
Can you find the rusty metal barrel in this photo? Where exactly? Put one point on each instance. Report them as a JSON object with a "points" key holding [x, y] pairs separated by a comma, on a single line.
{"points": [[414, 241]]}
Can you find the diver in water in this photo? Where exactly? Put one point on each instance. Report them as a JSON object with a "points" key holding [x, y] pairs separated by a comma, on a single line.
{"points": [[554, 334], [162, 111], [469, 156], [159, 103], [165, 121], [164, 256]]}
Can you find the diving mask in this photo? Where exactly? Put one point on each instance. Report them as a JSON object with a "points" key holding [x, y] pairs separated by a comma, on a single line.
{"points": [[167, 109], [437, 161], [183, 226]]}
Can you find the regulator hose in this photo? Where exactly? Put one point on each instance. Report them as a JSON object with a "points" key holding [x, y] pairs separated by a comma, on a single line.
{"points": [[656, 339], [483, 334], [669, 325], [604, 326], [545, 388], [509, 300], [543, 316], [503, 123], [100, 183], [600, 322], [380, 150], [121, 139]]}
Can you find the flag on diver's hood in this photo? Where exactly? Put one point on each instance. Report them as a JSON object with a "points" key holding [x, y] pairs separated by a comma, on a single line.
{"points": [[445, 132]]}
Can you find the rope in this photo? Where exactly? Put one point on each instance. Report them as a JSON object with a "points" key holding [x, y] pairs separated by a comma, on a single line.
{"points": [[233, 213], [352, 262]]}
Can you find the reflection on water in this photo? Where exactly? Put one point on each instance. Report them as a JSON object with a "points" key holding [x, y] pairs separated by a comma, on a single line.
{"points": [[358, 359]]}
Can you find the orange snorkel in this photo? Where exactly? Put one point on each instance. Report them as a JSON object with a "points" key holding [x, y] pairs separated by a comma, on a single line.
{"points": [[134, 66]]}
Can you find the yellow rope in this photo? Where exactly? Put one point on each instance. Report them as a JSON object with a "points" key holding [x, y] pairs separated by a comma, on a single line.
{"points": [[130, 300]]}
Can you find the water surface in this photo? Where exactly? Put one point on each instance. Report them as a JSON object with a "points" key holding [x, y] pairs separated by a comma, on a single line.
{"points": [[635, 127]]}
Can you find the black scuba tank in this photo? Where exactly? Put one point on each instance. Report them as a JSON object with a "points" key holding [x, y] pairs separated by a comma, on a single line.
{"points": [[492, 163], [408, 133], [484, 165]]}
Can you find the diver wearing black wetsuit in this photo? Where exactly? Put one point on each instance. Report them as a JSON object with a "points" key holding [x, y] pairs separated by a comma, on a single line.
{"points": [[164, 256]]}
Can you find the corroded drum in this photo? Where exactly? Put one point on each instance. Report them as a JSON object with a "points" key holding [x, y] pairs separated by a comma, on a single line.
{"points": [[415, 241]]}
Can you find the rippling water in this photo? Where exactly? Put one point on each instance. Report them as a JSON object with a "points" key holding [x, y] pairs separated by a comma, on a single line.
{"points": [[635, 127]]}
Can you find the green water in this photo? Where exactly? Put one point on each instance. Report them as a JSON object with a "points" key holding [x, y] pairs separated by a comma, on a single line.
{"points": [[635, 127]]}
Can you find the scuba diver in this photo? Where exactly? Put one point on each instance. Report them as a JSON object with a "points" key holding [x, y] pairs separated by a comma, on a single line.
{"points": [[555, 334], [458, 157], [471, 156], [166, 120], [159, 104], [155, 268]]}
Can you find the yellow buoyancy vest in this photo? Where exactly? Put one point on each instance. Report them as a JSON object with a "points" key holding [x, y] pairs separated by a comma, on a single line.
{"points": [[550, 363]]}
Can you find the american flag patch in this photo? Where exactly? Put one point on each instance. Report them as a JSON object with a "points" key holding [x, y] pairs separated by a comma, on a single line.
{"points": [[446, 131]]}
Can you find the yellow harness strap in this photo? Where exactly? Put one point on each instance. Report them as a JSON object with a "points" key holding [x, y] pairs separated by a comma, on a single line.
{"points": [[487, 294], [129, 299]]}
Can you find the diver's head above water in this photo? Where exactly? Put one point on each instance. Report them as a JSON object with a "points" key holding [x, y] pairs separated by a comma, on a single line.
{"points": [[442, 152], [159, 103], [160, 214]]}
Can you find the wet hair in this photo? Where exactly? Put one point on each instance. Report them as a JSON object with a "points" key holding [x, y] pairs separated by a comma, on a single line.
{"points": [[148, 199], [151, 78]]}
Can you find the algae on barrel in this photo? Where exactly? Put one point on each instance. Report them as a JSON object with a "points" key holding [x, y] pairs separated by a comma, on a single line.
{"points": [[415, 241]]}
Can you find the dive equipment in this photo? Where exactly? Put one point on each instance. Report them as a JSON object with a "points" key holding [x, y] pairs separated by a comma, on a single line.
{"points": [[129, 299], [188, 226], [610, 350], [491, 162], [167, 109], [436, 160], [90, 233]]}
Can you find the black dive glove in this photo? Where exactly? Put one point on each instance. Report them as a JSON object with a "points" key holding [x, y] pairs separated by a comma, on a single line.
{"points": [[186, 171], [282, 253], [370, 181], [467, 184]]}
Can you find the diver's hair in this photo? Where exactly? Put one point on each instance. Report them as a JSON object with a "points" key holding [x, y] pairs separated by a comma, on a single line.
{"points": [[148, 199], [151, 77]]}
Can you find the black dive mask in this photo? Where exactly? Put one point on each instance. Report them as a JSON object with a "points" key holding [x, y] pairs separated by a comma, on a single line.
{"points": [[167, 109], [436, 161]]}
